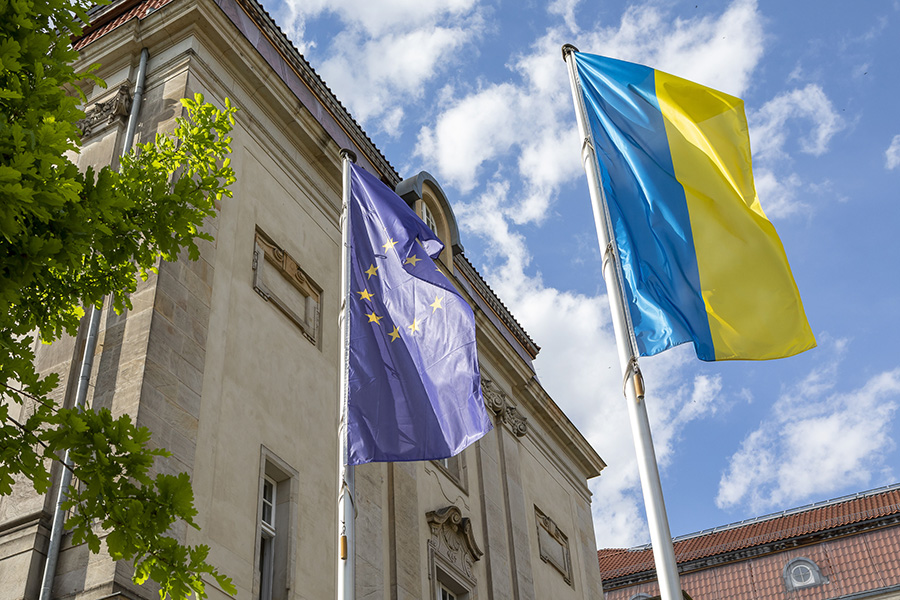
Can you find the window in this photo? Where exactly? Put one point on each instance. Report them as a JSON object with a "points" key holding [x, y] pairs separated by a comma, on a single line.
{"points": [[276, 529], [267, 539], [457, 592], [455, 469], [428, 217], [801, 573]]}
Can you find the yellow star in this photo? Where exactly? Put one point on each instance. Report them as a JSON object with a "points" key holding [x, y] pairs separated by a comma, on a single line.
{"points": [[390, 244], [373, 318], [412, 260], [394, 334], [436, 304], [373, 270], [414, 327], [365, 295]]}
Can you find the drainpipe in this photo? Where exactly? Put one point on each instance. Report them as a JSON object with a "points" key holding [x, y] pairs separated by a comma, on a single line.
{"points": [[87, 365]]}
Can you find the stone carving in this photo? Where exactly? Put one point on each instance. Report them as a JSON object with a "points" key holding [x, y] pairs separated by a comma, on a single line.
{"points": [[553, 545], [515, 421], [298, 297], [452, 539], [498, 403], [103, 114], [494, 398]]}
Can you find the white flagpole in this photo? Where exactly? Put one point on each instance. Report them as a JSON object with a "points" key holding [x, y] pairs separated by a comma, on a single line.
{"points": [[346, 588], [661, 538]]}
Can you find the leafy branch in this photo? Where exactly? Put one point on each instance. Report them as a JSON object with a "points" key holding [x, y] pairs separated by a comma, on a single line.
{"points": [[70, 239]]}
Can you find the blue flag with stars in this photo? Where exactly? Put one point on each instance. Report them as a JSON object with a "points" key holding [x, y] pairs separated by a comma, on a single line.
{"points": [[414, 385]]}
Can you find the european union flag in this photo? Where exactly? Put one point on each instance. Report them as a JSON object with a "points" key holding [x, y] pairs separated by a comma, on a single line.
{"points": [[414, 385]]}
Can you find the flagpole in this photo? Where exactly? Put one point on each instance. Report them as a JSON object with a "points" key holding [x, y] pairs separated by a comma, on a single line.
{"points": [[346, 588], [660, 536]]}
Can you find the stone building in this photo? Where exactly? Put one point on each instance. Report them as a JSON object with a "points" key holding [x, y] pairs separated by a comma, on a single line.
{"points": [[232, 360], [842, 549]]}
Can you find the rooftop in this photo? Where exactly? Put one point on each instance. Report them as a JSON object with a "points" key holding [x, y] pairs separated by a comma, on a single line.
{"points": [[809, 520]]}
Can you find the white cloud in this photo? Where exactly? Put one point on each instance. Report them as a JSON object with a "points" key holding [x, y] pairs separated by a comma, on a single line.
{"points": [[566, 10], [377, 77], [578, 365], [779, 196], [817, 441], [720, 52], [528, 121], [771, 128], [531, 116], [387, 51], [892, 154]]}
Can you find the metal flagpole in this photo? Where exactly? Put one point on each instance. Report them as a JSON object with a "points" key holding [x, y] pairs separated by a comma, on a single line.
{"points": [[346, 588], [661, 538]]}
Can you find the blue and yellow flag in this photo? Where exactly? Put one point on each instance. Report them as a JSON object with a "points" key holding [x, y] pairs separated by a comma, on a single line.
{"points": [[414, 383], [701, 261]]}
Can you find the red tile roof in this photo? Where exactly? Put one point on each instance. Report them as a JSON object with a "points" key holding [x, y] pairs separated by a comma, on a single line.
{"points": [[760, 531], [116, 15]]}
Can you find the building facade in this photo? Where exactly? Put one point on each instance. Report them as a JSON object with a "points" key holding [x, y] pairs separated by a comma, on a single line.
{"points": [[233, 360], [842, 549]]}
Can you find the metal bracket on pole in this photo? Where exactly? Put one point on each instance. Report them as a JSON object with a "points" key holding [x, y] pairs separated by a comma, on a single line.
{"points": [[586, 146], [633, 372], [607, 256]]}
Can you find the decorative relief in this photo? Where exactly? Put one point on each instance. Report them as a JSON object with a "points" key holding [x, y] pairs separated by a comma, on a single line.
{"points": [[498, 403], [103, 114], [515, 421], [452, 540], [286, 285], [494, 398], [553, 545]]}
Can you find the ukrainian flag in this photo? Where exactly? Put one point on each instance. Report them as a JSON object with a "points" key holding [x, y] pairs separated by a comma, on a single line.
{"points": [[701, 261]]}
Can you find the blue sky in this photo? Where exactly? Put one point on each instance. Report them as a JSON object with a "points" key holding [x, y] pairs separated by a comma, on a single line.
{"points": [[477, 94]]}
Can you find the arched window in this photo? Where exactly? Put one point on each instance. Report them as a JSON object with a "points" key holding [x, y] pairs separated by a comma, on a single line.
{"points": [[802, 573], [640, 597]]}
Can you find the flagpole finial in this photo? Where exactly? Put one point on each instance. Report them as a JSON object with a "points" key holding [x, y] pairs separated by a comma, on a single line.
{"points": [[568, 49], [346, 153]]}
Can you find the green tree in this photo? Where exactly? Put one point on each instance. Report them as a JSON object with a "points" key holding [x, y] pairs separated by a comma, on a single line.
{"points": [[70, 239]]}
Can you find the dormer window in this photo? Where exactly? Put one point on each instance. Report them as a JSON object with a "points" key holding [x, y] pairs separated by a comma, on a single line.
{"points": [[801, 573]]}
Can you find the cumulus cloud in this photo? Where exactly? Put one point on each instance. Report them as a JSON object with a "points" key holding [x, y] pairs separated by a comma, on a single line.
{"points": [[579, 366], [717, 51], [817, 441], [530, 115], [771, 128], [769, 125], [892, 154], [528, 121], [386, 52]]}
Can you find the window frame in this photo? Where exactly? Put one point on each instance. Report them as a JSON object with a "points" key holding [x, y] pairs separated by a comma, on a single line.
{"points": [[816, 577], [454, 468], [276, 541]]}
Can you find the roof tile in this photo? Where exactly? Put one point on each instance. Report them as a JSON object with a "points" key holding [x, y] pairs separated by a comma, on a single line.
{"points": [[764, 530]]}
